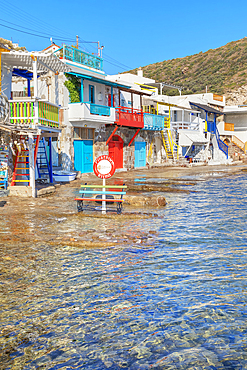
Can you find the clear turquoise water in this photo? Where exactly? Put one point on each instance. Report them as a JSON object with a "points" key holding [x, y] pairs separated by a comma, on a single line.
{"points": [[179, 302]]}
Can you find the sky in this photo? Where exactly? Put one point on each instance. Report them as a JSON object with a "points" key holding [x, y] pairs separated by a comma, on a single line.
{"points": [[134, 33]]}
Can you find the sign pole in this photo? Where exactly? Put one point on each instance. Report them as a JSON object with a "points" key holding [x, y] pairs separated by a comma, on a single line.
{"points": [[104, 168], [103, 197]]}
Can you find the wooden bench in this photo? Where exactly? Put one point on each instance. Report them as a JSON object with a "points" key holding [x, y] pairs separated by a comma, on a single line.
{"points": [[87, 196]]}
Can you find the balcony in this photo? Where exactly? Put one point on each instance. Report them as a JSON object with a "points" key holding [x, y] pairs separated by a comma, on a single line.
{"points": [[129, 117], [229, 126], [91, 112], [22, 113], [185, 125], [81, 57], [153, 122]]}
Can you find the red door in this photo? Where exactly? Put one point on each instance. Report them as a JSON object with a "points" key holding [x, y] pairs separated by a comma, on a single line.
{"points": [[116, 151]]}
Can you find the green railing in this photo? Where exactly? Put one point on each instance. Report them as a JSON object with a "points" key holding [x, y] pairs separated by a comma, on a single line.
{"points": [[101, 110], [48, 114], [22, 113], [153, 122], [79, 56]]}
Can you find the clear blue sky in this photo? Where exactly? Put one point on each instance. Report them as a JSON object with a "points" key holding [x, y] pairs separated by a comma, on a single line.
{"points": [[134, 33]]}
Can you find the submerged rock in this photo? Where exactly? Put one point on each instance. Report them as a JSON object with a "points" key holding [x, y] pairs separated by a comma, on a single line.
{"points": [[141, 200]]}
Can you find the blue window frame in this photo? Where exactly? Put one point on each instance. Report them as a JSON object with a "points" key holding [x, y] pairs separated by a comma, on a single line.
{"points": [[91, 94]]}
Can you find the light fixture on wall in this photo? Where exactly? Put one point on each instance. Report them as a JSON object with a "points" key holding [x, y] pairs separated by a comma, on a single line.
{"points": [[99, 96]]}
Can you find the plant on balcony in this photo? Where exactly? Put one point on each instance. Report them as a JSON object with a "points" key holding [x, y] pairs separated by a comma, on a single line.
{"points": [[73, 85]]}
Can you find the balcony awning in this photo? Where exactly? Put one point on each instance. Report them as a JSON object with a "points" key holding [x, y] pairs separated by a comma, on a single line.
{"points": [[191, 137], [99, 80], [108, 83], [206, 108], [24, 60]]}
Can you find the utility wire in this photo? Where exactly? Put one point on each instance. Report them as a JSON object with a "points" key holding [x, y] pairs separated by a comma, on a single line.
{"points": [[33, 34], [20, 14], [48, 35]]}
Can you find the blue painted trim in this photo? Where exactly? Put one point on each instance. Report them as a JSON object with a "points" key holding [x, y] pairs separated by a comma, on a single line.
{"points": [[28, 88], [98, 80], [86, 69], [91, 94], [50, 160], [111, 96], [82, 88]]}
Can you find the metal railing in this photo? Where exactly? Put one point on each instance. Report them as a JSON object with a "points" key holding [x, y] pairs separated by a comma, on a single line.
{"points": [[100, 110], [78, 56], [221, 144], [184, 125], [22, 113], [129, 117], [153, 121]]}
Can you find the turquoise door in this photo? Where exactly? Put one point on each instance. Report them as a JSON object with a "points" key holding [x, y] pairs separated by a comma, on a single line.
{"points": [[140, 154], [83, 151]]}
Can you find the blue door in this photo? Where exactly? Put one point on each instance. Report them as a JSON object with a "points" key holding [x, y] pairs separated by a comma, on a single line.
{"points": [[83, 151], [140, 154]]}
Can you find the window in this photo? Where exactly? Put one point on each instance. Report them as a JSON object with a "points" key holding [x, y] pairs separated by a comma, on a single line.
{"points": [[90, 133], [175, 116], [91, 94], [83, 133]]}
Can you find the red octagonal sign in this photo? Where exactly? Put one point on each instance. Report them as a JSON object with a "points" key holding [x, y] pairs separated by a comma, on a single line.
{"points": [[104, 167]]}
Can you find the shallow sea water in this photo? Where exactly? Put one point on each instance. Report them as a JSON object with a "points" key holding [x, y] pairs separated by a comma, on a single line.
{"points": [[178, 302]]}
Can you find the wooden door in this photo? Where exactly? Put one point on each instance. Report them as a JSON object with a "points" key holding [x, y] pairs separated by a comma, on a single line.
{"points": [[116, 151]]}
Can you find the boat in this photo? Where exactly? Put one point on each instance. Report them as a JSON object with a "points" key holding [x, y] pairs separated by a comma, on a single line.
{"points": [[64, 176]]}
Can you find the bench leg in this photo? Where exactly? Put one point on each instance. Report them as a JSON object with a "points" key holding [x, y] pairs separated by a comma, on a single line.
{"points": [[119, 208], [80, 205]]}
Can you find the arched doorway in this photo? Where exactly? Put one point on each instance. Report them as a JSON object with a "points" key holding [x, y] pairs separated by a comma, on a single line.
{"points": [[116, 150]]}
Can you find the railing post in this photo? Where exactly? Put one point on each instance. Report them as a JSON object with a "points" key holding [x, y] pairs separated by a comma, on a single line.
{"points": [[35, 83], [82, 88], [31, 165], [50, 160]]}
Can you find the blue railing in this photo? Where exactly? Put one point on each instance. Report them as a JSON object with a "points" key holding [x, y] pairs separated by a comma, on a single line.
{"points": [[101, 110], [79, 56], [221, 143], [211, 127], [153, 122]]}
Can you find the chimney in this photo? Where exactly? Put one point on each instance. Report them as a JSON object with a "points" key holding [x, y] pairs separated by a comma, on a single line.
{"points": [[140, 72]]}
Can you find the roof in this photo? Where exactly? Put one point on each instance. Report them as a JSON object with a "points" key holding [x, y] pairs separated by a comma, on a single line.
{"points": [[160, 99], [108, 83], [206, 108], [195, 137], [4, 47], [23, 60]]}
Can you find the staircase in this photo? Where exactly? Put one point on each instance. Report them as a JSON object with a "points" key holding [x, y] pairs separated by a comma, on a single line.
{"points": [[222, 146], [171, 148], [240, 144], [42, 162], [21, 173]]}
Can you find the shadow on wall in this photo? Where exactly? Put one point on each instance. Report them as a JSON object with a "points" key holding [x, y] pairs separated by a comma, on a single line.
{"points": [[66, 162]]}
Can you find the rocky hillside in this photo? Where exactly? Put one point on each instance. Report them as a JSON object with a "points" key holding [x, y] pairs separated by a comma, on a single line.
{"points": [[222, 70]]}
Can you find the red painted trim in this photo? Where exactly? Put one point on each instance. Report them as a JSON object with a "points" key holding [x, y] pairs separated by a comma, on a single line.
{"points": [[133, 138], [36, 149], [129, 117], [100, 200], [115, 129], [14, 174]]}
